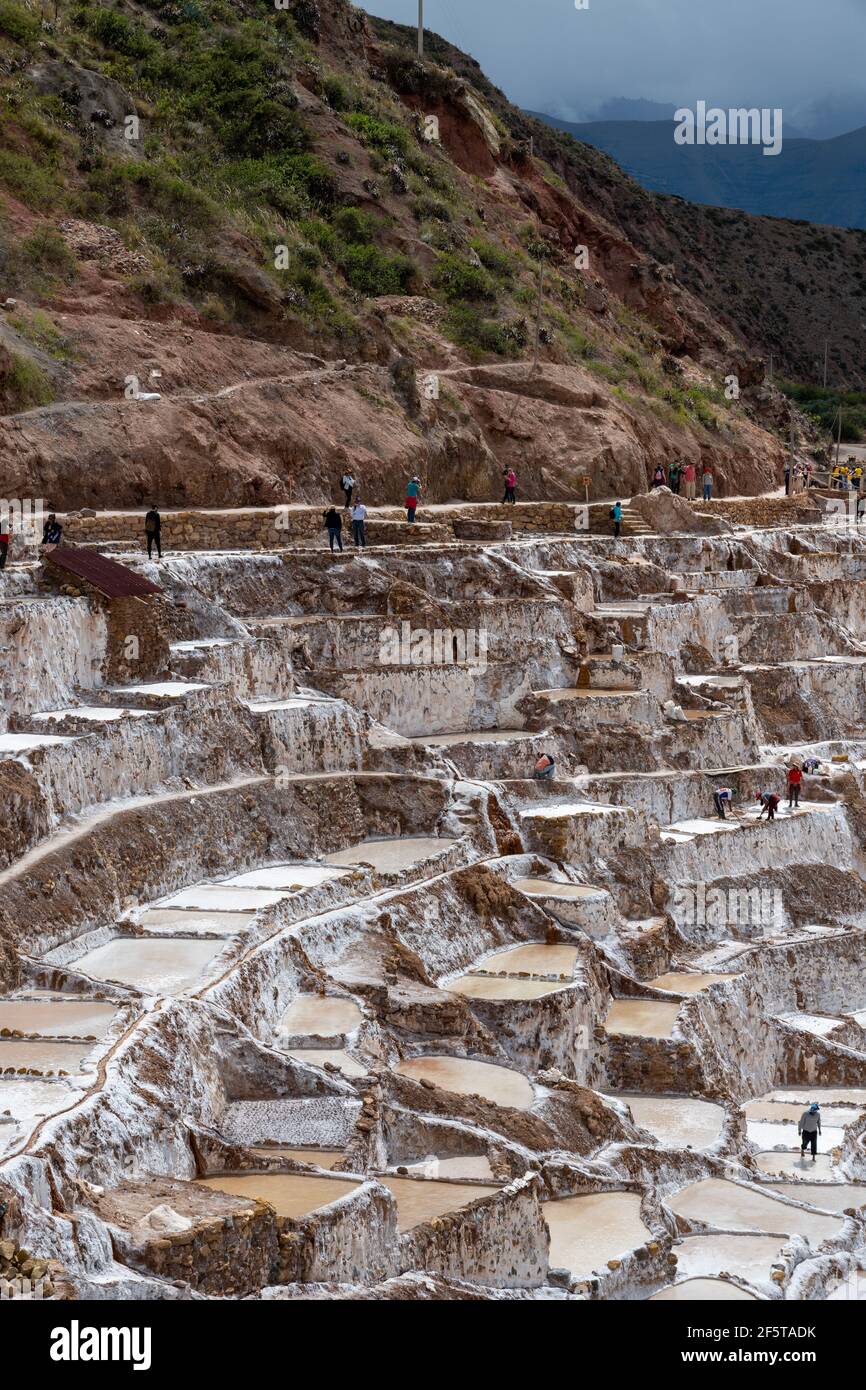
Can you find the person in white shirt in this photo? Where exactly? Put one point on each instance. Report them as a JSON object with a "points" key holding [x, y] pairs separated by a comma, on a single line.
{"points": [[359, 516]]}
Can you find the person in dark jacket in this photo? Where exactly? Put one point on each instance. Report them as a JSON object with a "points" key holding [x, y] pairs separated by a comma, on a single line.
{"points": [[808, 1128], [334, 523], [52, 531], [5, 539], [153, 531]]}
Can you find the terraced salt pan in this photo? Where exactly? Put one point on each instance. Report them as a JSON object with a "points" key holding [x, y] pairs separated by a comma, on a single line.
{"points": [[750, 1257], [703, 1291], [731, 1207], [419, 1201], [44, 1056], [337, 1056], [391, 856], [168, 965], [318, 1015], [824, 1095], [474, 736], [29, 1099], [462, 1166], [641, 1018], [818, 1024], [791, 1165], [290, 702], [790, 1110], [677, 1121], [767, 1135], [832, 1196], [66, 1018], [482, 987], [465, 1077], [323, 1158], [170, 921], [586, 1232], [172, 690], [683, 982], [26, 743], [290, 1194], [99, 714], [288, 876], [537, 959], [223, 898], [546, 888]]}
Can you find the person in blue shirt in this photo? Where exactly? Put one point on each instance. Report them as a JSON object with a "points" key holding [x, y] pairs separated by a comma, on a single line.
{"points": [[616, 518], [413, 490]]}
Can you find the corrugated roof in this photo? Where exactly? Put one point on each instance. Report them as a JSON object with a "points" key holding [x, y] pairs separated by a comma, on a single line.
{"points": [[107, 576]]}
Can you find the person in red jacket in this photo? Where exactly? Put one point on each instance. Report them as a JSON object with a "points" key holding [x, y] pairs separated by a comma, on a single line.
{"points": [[510, 479], [795, 779], [5, 539]]}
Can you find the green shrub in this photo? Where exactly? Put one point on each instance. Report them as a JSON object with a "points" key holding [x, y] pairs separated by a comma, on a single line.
{"points": [[492, 257], [385, 136], [467, 327], [115, 31], [461, 282], [19, 23], [25, 384], [371, 271], [354, 226], [47, 251], [35, 184]]}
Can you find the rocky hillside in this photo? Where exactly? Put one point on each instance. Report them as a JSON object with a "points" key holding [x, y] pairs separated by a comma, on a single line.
{"points": [[242, 209]]}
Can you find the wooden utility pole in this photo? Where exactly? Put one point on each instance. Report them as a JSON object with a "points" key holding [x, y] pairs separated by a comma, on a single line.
{"points": [[420, 28], [538, 315], [839, 435]]}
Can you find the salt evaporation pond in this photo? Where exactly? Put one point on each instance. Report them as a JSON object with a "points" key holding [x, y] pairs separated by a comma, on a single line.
{"points": [[323, 1158], [546, 888], [641, 1018], [702, 1291], [173, 919], [223, 898], [168, 965], [318, 1056], [465, 1166], [391, 856], [535, 958], [682, 982], [717, 1202], [292, 877], [824, 1095], [26, 743], [587, 1231], [43, 1056], [789, 1110], [677, 1121], [832, 1196], [750, 1257], [98, 714], [290, 1194], [57, 1018], [767, 1135], [323, 1016], [792, 1165], [171, 690], [473, 736], [419, 1201], [483, 987], [498, 1084], [29, 1099]]}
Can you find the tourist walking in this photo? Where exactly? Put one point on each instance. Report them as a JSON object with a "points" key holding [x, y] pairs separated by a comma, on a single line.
{"points": [[153, 531], [359, 524], [808, 1128], [5, 539], [347, 483], [795, 778], [722, 797], [658, 476], [334, 523], [413, 490], [769, 803], [787, 479], [616, 518], [689, 480], [707, 480], [674, 476], [52, 531], [510, 479], [545, 766]]}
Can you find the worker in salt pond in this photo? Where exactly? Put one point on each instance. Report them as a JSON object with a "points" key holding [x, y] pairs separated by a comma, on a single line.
{"points": [[722, 797], [545, 766], [795, 779], [808, 1128]]}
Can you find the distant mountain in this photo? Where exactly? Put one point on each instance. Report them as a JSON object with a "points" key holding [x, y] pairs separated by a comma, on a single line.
{"points": [[820, 181]]}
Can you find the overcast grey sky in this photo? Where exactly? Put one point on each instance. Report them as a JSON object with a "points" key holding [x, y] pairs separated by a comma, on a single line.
{"points": [[806, 56]]}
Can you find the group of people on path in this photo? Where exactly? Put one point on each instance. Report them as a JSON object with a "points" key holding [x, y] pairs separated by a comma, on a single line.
{"points": [[769, 801], [52, 534], [683, 474], [332, 518]]}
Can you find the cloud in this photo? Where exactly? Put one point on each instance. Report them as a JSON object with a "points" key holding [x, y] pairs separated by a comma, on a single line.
{"points": [[548, 56]]}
